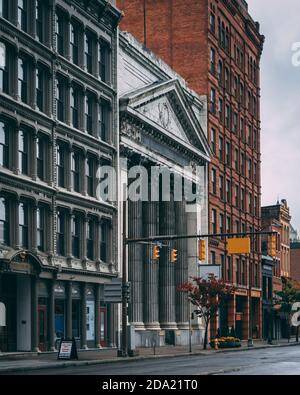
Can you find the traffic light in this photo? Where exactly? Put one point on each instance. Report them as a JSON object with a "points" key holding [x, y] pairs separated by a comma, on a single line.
{"points": [[156, 253], [272, 246], [201, 250], [174, 255]]}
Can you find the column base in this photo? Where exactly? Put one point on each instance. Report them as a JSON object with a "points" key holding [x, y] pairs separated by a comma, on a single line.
{"points": [[168, 325], [99, 346], [138, 326], [152, 326], [183, 325], [84, 347]]}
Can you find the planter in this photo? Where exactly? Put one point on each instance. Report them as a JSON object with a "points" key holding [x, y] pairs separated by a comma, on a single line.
{"points": [[226, 344]]}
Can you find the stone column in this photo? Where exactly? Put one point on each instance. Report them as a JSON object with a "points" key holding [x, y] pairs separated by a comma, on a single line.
{"points": [[97, 315], [135, 264], [34, 314], [151, 268], [167, 269], [69, 332], [111, 325], [51, 321], [83, 317], [181, 267]]}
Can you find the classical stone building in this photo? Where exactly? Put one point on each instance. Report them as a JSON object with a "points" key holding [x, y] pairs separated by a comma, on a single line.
{"points": [[58, 124], [162, 124]]}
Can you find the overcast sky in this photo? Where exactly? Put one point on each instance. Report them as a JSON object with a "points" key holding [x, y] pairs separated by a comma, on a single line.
{"points": [[280, 23]]}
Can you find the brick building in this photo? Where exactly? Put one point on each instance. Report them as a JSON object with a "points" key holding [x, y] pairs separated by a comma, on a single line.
{"points": [[277, 219], [216, 47]]}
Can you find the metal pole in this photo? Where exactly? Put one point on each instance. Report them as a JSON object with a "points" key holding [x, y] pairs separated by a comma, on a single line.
{"points": [[250, 340], [124, 280], [154, 239], [145, 23], [190, 328]]}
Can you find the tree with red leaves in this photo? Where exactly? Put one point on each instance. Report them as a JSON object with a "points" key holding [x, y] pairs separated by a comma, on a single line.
{"points": [[207, 295]]}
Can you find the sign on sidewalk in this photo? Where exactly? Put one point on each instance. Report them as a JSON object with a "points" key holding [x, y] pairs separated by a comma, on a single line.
{"points": [[67, 350]]}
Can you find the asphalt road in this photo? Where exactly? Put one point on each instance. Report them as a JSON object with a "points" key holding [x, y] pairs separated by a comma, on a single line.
{"points": [[276, 361]]}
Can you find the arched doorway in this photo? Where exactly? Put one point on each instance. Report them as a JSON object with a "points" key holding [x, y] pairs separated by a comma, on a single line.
{"points": [[18, 276]]}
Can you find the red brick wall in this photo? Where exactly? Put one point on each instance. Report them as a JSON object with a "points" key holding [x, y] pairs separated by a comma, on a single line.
{"points": [[295, 261], [173, 32]]}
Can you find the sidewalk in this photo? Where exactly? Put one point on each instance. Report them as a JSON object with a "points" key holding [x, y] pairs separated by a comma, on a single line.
{"points": [[21, 362]]}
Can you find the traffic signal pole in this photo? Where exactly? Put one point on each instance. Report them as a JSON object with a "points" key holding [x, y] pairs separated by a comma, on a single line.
{"points": [[158, 239]]}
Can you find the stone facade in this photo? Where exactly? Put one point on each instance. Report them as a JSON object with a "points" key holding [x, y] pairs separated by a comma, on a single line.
{"points": [[59, 123]]}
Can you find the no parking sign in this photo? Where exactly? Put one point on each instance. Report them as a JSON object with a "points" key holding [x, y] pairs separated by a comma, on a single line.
{"points": [[2, 314]]}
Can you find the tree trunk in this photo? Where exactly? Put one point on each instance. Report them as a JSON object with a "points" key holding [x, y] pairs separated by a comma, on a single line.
{"points": [[206, 335]]}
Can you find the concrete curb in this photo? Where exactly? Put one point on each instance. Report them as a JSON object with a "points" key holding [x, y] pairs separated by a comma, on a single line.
{"points": [[68, 364]]}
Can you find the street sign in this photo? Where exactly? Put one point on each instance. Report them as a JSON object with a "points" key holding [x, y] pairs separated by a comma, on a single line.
{"points": [[113, 291], [241, 245], [2, 314], [206, 270]]}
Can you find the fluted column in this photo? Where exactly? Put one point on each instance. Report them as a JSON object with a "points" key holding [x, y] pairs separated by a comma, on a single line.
{"points": [[135, 264], [167, 269], [151, 268], [181, 267]]}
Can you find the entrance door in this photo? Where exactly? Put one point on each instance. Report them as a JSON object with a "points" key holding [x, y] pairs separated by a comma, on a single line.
{"points": [[103, 326], [42, 317]]}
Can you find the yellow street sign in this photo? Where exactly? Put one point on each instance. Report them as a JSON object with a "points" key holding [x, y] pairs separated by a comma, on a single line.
{"points": [[239, 246]]}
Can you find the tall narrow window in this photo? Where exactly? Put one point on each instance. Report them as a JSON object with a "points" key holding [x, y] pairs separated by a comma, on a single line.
{"points": [[90, 237], [24, 152], [75, 171], [23, 224], [4, 9], [74, 41], [40, 78], [60, 235], [75, 229], [4, 222], [104, 120], [3, 68], [60, 100], [89, 104], [59, 32], [75, 106], [105, 229], [88, 52], [40, 21], [213, 101], [104, 61], [214, 221], [23, 70], [41, 157], [61, 165], [4, 150], [40, 231], [90, 176], [22, 14], [212, 60]]}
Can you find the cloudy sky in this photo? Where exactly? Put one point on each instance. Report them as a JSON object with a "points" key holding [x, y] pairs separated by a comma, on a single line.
{"points": [[280, 102]]}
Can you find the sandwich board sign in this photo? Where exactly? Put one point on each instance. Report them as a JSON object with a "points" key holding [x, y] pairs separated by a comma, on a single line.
{"points": [[67, 349], [2, 314]]}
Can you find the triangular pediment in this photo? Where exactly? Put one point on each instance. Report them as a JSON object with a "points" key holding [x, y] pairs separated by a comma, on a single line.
{"points": [[164, 105], [162, 112]]}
